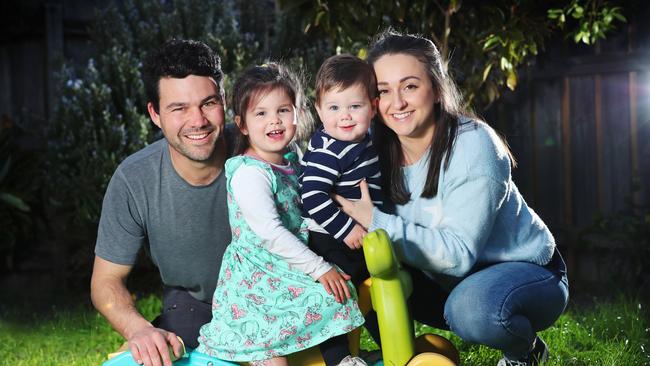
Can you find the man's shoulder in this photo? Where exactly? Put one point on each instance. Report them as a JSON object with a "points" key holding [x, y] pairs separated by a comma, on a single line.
{"points": [[143, 161]]}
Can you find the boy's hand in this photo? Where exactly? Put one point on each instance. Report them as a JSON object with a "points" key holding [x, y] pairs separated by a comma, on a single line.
{"points": [[335, 284], [354, 239]]}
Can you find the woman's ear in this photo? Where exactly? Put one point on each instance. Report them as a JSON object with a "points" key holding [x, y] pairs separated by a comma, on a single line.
{"points": [[240, 125]]}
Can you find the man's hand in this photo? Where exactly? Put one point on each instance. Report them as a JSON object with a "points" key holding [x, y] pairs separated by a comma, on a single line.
{"points": [[335, 284], [354, 239], [149, 347]]}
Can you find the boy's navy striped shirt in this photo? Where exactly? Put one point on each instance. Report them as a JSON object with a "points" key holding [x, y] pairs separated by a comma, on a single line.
{"points": [[335, 166]]}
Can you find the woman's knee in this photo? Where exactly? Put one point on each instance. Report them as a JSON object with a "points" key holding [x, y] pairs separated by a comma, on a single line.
{"points": [[470, 317]]}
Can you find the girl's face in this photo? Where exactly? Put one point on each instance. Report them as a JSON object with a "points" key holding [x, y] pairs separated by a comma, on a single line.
{"points": [[406, 96], [269, 124]]}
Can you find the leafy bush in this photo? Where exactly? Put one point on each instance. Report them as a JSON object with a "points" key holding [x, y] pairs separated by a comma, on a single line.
{"points": [[486, 40], [91, 135]]}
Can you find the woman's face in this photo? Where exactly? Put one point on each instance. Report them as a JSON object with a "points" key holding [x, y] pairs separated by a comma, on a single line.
{"points": [[406, 96]]}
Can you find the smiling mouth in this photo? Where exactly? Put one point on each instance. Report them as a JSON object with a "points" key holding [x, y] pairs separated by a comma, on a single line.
{"points": [[275, 133], [198, 136], [401, 115], [347, 128]]}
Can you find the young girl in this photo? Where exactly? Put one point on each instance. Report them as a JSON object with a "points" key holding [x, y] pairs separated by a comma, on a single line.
{"points": [[274, 296]]}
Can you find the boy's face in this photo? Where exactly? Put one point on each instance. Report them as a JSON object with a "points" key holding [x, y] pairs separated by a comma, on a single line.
{"points": [[346, 113]]}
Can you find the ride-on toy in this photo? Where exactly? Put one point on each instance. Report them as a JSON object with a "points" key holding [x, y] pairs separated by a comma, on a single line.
{"points": [[389, 288], [386, 291]]}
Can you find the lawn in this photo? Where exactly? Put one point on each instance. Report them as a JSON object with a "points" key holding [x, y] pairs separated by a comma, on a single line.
{"points": [[607, 333]]}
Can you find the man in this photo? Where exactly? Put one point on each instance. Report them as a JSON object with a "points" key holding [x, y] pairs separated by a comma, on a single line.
{"points": [[169, 197]]}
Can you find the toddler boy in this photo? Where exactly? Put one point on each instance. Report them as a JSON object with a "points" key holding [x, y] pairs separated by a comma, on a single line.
{"points": [[339, 156]]}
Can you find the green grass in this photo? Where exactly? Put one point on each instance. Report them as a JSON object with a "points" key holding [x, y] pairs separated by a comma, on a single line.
{"points": [[70, 337], [608, 333]]}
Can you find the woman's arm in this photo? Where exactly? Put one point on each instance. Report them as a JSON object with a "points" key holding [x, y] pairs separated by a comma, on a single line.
{"points": [[251, 188], [450, 246]]}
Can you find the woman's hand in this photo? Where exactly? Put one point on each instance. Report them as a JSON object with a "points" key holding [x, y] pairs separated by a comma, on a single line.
{"points": [[335, 283], [361, 210]]}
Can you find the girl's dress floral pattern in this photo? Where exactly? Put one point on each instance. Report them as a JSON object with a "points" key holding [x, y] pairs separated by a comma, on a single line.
{"points": [[262, 307]]}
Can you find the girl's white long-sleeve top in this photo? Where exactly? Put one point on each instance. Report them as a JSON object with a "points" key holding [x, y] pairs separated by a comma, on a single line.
{"points": [[251, 188]]}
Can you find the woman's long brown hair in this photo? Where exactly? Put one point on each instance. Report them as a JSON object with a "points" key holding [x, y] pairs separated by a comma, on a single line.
{"points": [[447, 112]]}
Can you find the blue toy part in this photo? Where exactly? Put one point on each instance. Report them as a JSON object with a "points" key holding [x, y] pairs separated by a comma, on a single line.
{"points": [[191, 358]]}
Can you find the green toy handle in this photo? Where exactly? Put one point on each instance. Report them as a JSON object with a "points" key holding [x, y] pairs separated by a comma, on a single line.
{"points": [[389, 289]]}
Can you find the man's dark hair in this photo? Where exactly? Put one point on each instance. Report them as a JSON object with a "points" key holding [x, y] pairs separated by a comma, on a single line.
{"points": [[179, 59]]}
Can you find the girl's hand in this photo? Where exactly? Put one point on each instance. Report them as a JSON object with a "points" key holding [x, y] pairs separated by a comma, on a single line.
{"points": [[361, 210], [335, 284], [354, 239]]}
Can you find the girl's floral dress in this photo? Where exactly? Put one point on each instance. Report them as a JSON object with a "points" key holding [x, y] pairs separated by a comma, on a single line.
{"points": [[262, 307]]}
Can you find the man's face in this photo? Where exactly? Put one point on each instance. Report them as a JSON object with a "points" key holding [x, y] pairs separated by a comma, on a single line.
{"points": [[191, 116]]}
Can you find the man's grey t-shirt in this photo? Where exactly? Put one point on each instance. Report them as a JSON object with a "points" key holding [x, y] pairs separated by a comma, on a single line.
{"points": [[186, 227]]}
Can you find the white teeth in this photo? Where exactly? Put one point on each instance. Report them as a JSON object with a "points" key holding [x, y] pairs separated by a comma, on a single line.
{"points": [[276, 132], [197, 137], [401, 115]]}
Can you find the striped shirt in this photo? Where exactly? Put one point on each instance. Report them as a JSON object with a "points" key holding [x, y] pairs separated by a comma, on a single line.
{"points": [[334, 166]]}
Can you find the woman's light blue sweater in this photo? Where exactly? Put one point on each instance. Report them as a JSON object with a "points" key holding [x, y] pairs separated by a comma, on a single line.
{"points": [[478, 216]]}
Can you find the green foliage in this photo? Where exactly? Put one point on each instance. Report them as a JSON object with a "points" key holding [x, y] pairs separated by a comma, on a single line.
{"points": [[92, 134], [140, 26], [78, 337], [594, 19], [486, 41], [18, 191]]}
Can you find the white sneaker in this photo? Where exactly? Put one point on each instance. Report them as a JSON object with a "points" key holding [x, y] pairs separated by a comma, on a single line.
{"points": [[352, 361]]}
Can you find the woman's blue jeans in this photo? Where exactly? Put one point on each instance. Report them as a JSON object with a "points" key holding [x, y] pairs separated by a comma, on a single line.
{"points": [[501, 306]]}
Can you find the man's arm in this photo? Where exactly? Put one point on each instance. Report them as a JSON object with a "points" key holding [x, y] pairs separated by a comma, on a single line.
{"points": [[112, 299]]}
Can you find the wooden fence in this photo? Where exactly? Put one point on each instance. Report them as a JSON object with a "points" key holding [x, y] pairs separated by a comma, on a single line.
{"points": [[580, 130]]}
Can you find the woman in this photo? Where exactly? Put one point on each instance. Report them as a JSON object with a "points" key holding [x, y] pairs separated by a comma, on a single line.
{"points": [[484, 265]]}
